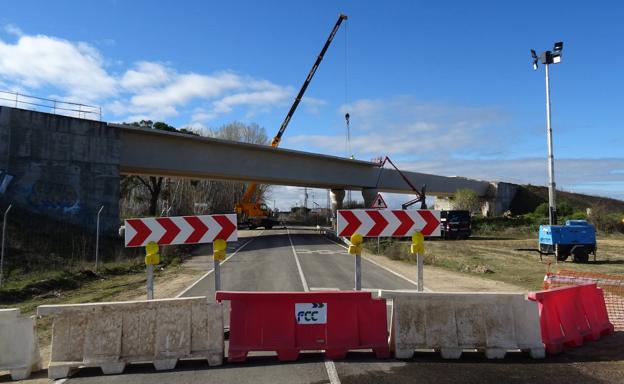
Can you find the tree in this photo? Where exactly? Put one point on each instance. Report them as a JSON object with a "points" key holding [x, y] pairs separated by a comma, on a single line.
{"points": [[184, 196], [466, 200], [154, 184]]}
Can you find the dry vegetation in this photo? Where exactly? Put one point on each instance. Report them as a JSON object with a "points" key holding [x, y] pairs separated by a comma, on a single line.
{"points": [[497, 258]]}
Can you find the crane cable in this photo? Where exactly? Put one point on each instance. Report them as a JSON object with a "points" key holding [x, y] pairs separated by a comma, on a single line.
{"points": [[346, 101], [346, 92]]}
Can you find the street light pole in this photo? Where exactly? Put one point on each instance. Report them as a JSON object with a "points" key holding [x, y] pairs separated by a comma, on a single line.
{"points": [[552, 203], [547, 58]]}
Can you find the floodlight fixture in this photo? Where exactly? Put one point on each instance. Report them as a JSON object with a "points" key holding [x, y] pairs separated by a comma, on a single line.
{"points": [[558, 47], [535, 58]]}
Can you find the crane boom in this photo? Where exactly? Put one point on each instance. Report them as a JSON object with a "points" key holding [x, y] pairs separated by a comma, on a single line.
{"points": [[246, 206], [420, 195], [276, 140]]}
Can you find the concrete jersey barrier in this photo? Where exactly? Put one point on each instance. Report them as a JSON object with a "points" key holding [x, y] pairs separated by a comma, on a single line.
{"points": [[19, 353], [452, 322], [111, 335]]}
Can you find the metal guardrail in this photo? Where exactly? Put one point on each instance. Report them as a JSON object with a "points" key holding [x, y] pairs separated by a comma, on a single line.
{"points": [[18, 100]]}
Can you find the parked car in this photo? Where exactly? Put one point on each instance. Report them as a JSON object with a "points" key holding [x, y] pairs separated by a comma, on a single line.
{"points": [[456, 224]]}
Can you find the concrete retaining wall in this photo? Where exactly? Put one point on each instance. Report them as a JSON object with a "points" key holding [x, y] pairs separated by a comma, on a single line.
{"points": [[19, 353], [60, 166], [111, 335], [452, 322]]}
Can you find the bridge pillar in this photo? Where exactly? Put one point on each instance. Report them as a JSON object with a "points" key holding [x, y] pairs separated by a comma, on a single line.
{"points": [[337, 197], [369, 195]]}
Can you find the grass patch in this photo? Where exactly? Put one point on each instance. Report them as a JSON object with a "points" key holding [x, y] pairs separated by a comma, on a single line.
{"points": [[495, 257]]}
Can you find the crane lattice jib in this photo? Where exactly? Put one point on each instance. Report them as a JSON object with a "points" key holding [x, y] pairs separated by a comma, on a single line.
{"points": [[276, 140], [251, 189]]}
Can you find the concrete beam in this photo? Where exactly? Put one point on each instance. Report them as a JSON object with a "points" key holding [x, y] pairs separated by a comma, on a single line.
{"points": [[153, 152]]}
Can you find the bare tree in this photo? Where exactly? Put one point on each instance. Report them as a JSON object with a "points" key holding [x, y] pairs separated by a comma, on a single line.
{"points": [[186, 196]]}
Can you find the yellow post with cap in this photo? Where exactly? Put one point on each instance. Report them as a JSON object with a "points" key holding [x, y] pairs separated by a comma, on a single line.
{"points": [[356, 249], [418, 248], [219, 247], [152, 257]]}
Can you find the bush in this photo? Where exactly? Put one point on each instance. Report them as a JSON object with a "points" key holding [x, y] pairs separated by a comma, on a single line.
{"points": [[541, 210], [563, 209], [606, 221], [466, 200]]}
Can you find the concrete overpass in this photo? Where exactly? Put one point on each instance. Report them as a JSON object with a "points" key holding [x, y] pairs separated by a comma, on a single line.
{"points": [[68, 168], [154, 152]]}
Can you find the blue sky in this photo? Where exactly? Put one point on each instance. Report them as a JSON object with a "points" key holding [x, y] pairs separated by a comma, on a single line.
{"points": [[441, 87]]}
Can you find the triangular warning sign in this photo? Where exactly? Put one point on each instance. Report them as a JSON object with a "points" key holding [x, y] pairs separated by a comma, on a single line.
{"points": [[379, 202]]}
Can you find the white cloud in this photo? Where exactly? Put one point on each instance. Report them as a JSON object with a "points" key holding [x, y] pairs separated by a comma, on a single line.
{"points": [[408, 127], [597, 176], [144, 75], [76, 71], [14, 30], [41, 61], [270, 96], [186, 87], [313, 105]]}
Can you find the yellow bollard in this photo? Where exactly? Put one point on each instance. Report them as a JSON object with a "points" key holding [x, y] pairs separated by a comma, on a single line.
{"points": [[152, 257], [356, 244], [219, 246], [218, 255], [418, 248], [356, 249]]}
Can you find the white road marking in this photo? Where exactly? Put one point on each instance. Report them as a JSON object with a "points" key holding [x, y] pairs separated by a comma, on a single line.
{"points": [[383, 267], [303, 279], [321, 251], [330, 367], [331, 372], [212, 270], [323, 289]]}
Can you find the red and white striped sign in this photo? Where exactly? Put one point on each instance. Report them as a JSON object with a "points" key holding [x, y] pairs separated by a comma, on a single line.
{"points": [[388, 223], [180, 230]]}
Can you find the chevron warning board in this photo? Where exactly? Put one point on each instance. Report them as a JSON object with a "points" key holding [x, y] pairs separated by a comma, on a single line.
{"points": [[180, 230], [388, 223]]}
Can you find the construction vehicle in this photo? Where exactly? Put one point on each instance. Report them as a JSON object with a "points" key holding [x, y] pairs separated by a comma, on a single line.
{"points": [[250, 211], [455, 224], [576, 238], [420, 194]]}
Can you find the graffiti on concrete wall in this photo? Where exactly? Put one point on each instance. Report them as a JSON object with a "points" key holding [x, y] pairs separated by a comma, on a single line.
{"points": [[5, 179], [49, 195]]}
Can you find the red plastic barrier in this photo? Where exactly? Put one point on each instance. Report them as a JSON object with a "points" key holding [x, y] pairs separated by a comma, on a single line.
{"points": [[571, 315], [289, 322]]}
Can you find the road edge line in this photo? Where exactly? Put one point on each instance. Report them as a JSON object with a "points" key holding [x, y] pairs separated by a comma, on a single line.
{"points": [[205, 275], [330, 367], [332, 373], [383, 267], [304, 282]]}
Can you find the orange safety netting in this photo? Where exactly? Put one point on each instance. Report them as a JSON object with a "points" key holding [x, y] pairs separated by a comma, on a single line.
{"points": [[612, 286]]}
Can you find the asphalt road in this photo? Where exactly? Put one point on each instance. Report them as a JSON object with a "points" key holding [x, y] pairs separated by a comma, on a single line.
{"points": [[269, 262]]}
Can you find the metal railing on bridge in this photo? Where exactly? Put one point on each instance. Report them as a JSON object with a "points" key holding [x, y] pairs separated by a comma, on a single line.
{"points": [[59, 107]]}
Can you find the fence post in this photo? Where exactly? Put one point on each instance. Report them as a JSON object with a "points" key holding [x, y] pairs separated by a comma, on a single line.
{"points": [[97, 238], [4, 225]]}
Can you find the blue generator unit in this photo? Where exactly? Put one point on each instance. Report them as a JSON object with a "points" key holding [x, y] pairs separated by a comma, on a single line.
{"points": [[577, 238]]}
